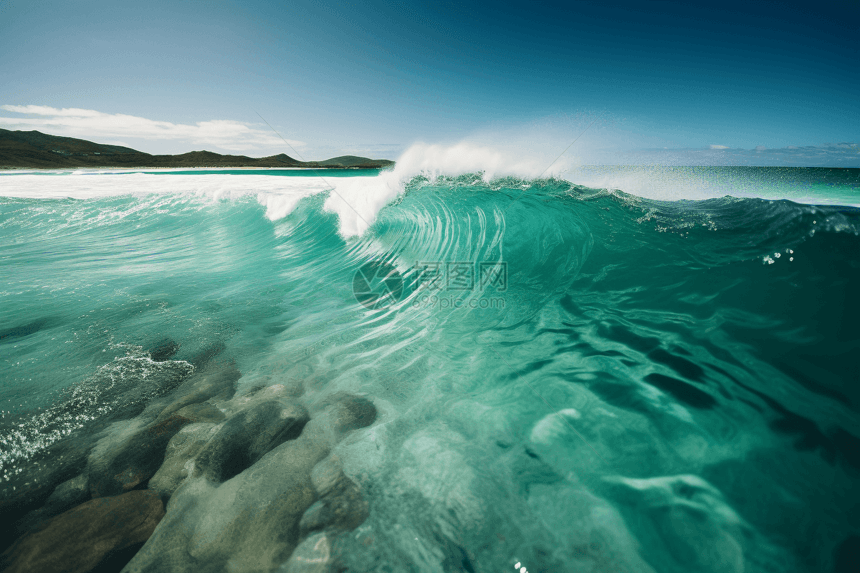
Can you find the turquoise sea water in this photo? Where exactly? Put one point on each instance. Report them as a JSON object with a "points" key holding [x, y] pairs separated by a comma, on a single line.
{"points": [[624, 369]]}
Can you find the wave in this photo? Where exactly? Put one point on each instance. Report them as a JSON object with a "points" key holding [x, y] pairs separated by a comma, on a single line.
{"points": [[358, 200], [640, 353]]}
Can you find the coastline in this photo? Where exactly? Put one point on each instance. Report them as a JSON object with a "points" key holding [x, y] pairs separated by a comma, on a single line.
{"points": [[208, 168], [41, 151]]}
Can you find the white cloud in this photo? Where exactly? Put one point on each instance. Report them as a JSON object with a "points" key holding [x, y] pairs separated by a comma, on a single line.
{"points": [[90, 124], [719, 147], [45, 110]]}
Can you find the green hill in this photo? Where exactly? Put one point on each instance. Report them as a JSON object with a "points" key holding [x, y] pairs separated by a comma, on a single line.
{"points": [[36, 150]]}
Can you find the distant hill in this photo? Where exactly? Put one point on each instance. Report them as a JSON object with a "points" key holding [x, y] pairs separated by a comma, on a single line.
{"points": [[36, 150]]}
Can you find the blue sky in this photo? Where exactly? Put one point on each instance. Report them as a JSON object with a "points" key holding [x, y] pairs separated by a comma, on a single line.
{"points": [[373, 77]]}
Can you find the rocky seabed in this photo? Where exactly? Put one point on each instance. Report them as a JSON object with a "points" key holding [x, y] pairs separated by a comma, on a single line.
{"points": [[203, 478]]}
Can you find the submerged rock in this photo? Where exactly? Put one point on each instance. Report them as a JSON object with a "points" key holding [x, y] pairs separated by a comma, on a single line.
{"points": [[83, 537], [259, 421], [143, 382], [119, 464], [205, 356], [22, 330], [685, 524], [65, 496], [209, 384], [247, 523], [348, 412], [69, 494], [129, 453], [247, 436], [160, 395], [28, 490], [124, 388], [203, 412], [313, 555], [163, 350], [340, 503], [250, 521], [181, 449]]}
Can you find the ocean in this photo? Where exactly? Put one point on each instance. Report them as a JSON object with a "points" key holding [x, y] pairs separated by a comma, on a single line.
{"points": [[643, 369]]}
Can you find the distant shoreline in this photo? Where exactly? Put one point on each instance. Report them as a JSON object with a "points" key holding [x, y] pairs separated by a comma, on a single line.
{"points": [[40, 151], [184, 168]]}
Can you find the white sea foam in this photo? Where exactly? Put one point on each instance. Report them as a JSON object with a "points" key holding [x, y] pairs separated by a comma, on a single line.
{"points": [[358, 200], [278, 194]]}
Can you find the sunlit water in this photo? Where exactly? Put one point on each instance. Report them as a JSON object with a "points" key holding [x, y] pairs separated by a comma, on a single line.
{"points": [[572, 377]]}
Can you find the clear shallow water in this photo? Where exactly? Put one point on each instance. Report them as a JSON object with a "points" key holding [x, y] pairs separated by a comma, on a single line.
{"points": [[666, 385]]}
